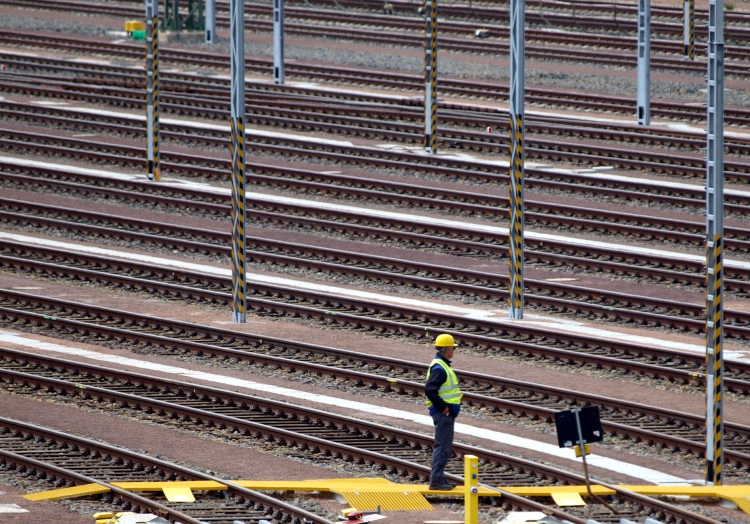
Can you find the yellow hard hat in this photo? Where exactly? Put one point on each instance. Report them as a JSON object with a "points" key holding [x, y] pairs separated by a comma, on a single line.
{"points": [[444, 341]]}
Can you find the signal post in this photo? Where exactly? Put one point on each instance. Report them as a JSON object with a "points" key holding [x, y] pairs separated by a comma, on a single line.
{"points": [[152, 89], [237, 151], [714, 247], [515, 232], [688, 31], [430, 77]]}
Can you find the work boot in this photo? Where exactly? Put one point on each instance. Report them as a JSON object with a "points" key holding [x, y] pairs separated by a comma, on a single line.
{"points": [[446, 486]]}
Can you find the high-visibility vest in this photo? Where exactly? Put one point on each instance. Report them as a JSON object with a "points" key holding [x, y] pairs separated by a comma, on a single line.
{"points": [[449, 391]]}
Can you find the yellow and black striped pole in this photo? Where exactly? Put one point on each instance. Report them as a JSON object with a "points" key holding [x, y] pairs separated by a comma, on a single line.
{"points": [[152, 87], [714, 246], [237, 151], [515, 232], [689, 30], [714, 364], [430, 77]]}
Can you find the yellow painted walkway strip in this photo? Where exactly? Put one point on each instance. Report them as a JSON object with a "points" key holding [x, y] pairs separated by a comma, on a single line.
{"points": [[368, 493]]}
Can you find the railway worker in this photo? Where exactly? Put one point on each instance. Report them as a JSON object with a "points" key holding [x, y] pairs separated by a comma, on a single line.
{"points": [[444, 401]]}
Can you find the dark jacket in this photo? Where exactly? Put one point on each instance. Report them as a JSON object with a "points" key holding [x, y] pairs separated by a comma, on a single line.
{"points": [[432, 386]]}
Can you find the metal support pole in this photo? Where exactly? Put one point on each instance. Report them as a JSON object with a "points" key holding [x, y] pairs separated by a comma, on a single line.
{"points": [[430, 77], [237, 44], [688, 33], [152, 89], [714, 247], [644, 62], [471, 489], [278, 41], [211, 22], [515, 232]]}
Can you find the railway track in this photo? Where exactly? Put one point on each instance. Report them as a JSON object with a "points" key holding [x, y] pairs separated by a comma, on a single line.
{"points": [[64, 460], [180, 93], [529, 344], [680, 196], [537, 147], [308, 432], [600, 17], [347, 188], [341, 75], [475, 9], [410, 231], [414, 24], [454, 282], [330, 22], [686, 371], [98, 86], [460, 117], [213, 204], [494, 47], [674, 431]]}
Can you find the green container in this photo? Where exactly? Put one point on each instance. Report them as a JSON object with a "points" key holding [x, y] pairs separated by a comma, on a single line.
{"points": [[139, 35]]}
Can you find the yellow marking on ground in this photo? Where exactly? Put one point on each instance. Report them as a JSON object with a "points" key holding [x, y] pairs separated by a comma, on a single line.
{"points": [[368, 493], [547, 491], [84, 490], [178, 494], [568, 499], [386, 500], [194, 485]]}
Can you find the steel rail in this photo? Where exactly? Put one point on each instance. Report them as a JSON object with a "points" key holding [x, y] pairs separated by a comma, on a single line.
{"points": [[587, 101], [545, 296], [373, 106], [308, 15], [119, 498], [495, 47], [457, 239], [450, 168], [347, 122], [455, 87], [539, 16], [540, 214], [482, 13], [138, 276], [452, 113], [618, 356], [545, 19], [738, 17], [453, 240], [536, 147], [403, 22], [380, 107], [352, 446], [678, 431], [324, 184], [213, 103], [315, 433], [124, 465], [416, 233], [106, 73], [555, 6]]}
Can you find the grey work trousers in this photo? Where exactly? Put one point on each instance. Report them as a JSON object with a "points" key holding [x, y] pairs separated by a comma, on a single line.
{"points": [[441, 453]]}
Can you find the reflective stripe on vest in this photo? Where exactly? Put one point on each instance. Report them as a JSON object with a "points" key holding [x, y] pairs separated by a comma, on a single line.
{"points": [[449, 391]]}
